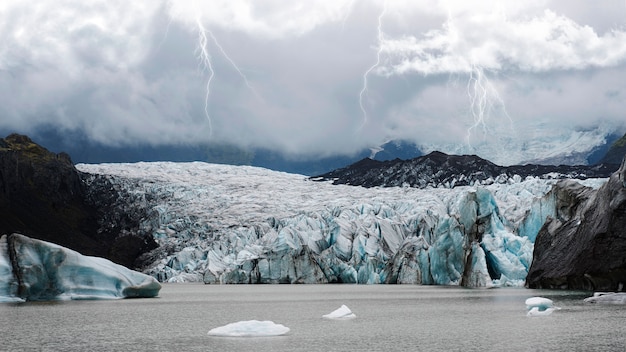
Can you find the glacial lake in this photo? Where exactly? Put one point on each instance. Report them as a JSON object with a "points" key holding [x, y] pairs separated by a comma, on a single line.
{"points": [[388, 318]]}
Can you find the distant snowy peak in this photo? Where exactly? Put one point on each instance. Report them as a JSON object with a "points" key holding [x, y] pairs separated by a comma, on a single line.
{"points": [[438, 169], [532, 143]]}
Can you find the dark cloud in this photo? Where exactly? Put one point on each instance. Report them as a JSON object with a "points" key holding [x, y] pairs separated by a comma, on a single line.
{"points": [[509, 81]]}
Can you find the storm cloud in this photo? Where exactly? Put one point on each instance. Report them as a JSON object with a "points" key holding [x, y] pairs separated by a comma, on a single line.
{"points": [[510, 81]]}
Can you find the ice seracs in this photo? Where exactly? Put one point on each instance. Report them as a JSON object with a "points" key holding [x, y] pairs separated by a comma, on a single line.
{"points": [[341, 313], [34, 270], [250, 328]]}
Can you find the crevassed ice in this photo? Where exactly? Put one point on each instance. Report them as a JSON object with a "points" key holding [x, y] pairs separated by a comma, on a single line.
{"points": [[241, 224]]}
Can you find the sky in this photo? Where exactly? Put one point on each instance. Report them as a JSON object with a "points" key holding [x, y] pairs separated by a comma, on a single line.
{"points": [[511, 81]]}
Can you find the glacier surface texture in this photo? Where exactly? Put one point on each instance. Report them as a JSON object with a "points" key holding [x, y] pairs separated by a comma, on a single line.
{"points": [[34, 270], [241, 224]]}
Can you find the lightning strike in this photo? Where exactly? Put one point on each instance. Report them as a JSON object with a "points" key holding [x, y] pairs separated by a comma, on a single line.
{"points": [[204, 56], [232, 62], [380, 39], [205, 59], [484, 98]]}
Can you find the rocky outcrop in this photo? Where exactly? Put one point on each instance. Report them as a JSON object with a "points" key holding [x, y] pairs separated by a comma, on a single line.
{"points": [[584, 245], [43, 196]]}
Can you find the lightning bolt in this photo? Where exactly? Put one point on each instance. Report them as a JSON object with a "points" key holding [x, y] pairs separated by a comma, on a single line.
{"points": [[484, 98], [380, 38], [483, 95], [223, 52], [205, 59]]}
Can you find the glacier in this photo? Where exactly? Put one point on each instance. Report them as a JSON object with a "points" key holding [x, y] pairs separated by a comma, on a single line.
{"points": [[241, 224], [35, 270]]}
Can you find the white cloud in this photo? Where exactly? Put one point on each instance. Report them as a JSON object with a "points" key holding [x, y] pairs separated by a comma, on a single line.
{"points": [[494, 41], [274, 19]]}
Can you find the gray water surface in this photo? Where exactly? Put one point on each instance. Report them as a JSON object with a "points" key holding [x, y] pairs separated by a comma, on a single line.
{"points": [[389, 318]]}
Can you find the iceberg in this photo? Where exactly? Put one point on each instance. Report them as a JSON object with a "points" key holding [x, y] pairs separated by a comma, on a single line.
{"points": [[540, 303], [34, 270], [540, 306], [341, 313], [250, 328], [607, 297], [536, 312]]}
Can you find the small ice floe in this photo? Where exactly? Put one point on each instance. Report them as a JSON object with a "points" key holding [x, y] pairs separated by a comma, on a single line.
{"points": [[250, 328], [341, 313], [607, 297], [540, 306], [535, 312]]}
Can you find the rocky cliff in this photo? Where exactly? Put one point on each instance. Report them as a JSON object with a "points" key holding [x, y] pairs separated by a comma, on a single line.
{"points": [[584, 245], [43, 196]]}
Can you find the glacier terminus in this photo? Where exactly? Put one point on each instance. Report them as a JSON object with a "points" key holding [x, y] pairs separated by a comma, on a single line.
{"points": [[241, 224]]}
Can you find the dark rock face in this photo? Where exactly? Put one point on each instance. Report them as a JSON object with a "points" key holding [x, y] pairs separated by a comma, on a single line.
{"points": [[584, 247], [119, 223], [43, 196], [439, 169]]}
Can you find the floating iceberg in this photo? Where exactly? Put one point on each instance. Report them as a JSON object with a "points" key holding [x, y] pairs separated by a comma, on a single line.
{"points": [[34, 270], [607, 297], [541, 303], [341, 313], [250, 328], [536, 312], [540, 306]]}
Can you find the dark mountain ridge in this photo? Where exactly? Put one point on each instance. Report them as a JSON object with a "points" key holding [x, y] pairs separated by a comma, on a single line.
{"points": [[438, 169]]}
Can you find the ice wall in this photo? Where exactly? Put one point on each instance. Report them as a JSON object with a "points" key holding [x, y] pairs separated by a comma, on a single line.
{"points": [[35, 270], [229, 224]]}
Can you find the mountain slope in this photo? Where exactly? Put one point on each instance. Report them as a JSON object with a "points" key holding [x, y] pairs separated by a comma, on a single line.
{"points": [[616, 152], [439, 169]]}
